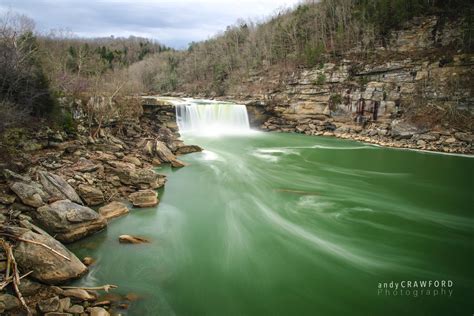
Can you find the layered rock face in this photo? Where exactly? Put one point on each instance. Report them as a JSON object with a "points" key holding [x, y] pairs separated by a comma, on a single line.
{"points": [[69, 221], [420, 78]]}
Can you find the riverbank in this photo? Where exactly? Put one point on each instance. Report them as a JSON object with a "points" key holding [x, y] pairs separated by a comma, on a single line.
{"points": [[60, 188], [396, 134], [387, 132]]}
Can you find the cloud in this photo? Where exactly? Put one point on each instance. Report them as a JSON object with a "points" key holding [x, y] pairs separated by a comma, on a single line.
{"points": [[174, 23]]}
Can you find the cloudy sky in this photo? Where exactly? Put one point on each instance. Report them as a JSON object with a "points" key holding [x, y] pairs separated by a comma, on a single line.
{"points": [[174, 23]]}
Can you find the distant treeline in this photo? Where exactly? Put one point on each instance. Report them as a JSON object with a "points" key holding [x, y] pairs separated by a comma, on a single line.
{"points": [[302, 36]]}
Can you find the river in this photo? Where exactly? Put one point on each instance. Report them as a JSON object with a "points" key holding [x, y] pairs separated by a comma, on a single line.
{"points": [[287, 224]]}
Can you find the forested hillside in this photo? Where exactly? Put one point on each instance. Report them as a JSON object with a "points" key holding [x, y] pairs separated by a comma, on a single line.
{"points": [[305, 36], [37, 70]]}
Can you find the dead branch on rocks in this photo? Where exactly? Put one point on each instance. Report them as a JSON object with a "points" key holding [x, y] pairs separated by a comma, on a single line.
{"points": [[37, 243], [105, 288], [10, 279], [16, 276]]}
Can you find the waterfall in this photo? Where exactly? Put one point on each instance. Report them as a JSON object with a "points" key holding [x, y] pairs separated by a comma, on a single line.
{"points": [[211, 117]]}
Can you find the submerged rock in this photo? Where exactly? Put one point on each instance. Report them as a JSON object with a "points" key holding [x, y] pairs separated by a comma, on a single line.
{"points": [[88, 261], [144, 198], [113, 209], [69, 221], [47, 266], [129, 239]]}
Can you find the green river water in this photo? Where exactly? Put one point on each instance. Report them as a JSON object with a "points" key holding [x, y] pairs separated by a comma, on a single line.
{"points": [[286, 224]]}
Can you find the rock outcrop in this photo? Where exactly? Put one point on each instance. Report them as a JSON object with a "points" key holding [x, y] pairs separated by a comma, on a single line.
{"points": [[417, 80], [47, 266], [144, 198], [129, 174], [91, 195], [113, 209], [29, 192], [68, 221], [57, 188]]}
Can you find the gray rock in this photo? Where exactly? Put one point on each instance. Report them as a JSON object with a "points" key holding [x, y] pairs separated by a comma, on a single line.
{"points": [[28, 287], [465, 137], [69, 221], [91, 195], [429, 137], [140, 178], [57, 187], [47, 266], [49, 305], [6, 198], [9, 301], [29, 192], [404, 130]]}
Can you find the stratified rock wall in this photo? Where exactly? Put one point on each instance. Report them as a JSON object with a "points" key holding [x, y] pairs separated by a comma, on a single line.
{"points": [[421, 71]]}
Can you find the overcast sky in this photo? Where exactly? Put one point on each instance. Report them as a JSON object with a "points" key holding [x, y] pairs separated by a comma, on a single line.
{"points": [[174, 23]]}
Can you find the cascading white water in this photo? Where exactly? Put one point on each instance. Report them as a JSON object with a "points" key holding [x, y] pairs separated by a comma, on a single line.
{"points": [[211, 117]]}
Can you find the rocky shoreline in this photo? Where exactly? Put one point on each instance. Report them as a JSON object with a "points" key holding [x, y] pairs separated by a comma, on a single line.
{"points": [[47, 196], [395, 134]]}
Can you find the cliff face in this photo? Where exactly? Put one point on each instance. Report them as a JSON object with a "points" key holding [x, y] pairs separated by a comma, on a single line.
{"points": [[419, 83]]}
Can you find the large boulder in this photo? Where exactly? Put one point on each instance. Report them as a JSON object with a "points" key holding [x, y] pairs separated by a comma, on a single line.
{"points": [[163, 152], [187, 149], [29, 192], [57, 187], [144, 198], [129, 174], [156, 148], [68, 221], [91, 195], [405, 130], [113, 209], [47, 266]]}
